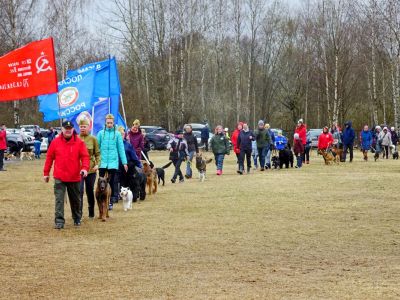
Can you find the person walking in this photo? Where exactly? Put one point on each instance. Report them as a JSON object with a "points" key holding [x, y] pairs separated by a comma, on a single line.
{"points": [[385, 139], [298, 149], [112, 151], [38, 141], [245, 138], [3, 145], [366, 141], [271, 146], [395, 138], [71, 161], [301, 130], [205, 135], [348, 140], [136, 139], [178, 152], [193, 149], [94, 157], [220, 147], [263, 140], [234, 140]]}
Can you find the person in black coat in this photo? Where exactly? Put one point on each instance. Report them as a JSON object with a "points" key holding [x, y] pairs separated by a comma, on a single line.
{"points": [[246, 136], [205, 135]]}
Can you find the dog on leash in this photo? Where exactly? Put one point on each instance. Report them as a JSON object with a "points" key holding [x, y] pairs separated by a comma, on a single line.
{"points": [[127, 197], [328, 157], [201, 166], [28, 155], [103, 195], [10, 156], [161, 172], [275, 162], [151, 175]]}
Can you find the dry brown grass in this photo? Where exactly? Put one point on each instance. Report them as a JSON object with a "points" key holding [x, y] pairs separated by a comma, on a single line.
{"points": [[329, 232]]}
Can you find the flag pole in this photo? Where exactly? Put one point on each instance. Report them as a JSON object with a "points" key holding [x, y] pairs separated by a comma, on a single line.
{"points": [[91, 132], [109, 84], [123, 108]]}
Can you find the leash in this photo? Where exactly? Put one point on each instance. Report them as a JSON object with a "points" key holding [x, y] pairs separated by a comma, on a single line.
{"points": [[145, 157]]}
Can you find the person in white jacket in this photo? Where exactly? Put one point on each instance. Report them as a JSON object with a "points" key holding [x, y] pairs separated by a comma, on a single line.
{"points": [[385, 139]]}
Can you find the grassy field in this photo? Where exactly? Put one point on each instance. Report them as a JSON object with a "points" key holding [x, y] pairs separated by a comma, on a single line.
{"points": [[316, 233]]}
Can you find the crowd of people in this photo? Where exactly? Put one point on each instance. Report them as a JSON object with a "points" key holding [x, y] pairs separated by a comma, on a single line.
{"points": [[113, 152]]}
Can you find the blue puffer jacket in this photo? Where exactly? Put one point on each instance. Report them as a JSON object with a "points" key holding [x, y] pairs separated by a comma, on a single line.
{"points": [[366, 139], [111, 148], [348, 134], [280, 142]]}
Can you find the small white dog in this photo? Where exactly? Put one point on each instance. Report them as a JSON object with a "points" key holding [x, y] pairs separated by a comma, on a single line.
{"points": [[127, 196]]}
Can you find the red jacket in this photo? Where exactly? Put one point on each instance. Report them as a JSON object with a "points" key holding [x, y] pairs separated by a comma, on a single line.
{"points": [[325, 140], [3, 140], [234, 140], [298, 147], [70, 157], [302, 131]]}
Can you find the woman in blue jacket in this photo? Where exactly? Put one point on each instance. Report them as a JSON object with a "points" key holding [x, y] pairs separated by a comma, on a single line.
{"points": [[366, 141], [112, 151]]}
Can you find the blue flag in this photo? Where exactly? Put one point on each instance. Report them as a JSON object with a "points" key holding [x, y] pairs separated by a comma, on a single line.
{"points": [[75, 95], [106, 76], [96, 117]]}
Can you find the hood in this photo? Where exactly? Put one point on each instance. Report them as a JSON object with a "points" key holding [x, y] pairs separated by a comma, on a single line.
{"points": [[348, 123]]}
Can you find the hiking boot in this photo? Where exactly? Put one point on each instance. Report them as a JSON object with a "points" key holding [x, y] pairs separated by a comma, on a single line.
{"points": [[58, 226], [173, 180], [262, 169]]}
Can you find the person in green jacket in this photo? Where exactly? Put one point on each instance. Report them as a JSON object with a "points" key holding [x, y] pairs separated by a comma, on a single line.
{"points": [[263, 141], [219, 145], [112, 150], [94, 156]]}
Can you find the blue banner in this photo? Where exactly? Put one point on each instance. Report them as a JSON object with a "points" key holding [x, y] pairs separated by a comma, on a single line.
{"points": [[96, 117], [75, 95]]}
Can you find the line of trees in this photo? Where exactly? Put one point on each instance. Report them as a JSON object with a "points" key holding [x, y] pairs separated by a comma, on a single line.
{"points": [[228, 60]]}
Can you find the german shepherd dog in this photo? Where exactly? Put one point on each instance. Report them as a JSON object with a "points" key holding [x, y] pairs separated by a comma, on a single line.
{"points": [[201, 166], [337, 153], [103, 194], [328, 157]]}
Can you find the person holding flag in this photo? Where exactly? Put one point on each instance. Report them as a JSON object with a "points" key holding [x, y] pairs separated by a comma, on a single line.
{"points": [[112, 151]]}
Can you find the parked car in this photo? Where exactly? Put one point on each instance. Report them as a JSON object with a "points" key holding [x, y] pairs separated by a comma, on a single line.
{"points": [[16, 142], [314, 134], [157, 136], [196, 128]]}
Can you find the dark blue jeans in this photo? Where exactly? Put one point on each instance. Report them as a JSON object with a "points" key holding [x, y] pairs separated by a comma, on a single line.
{"points": [[219, 161], [262, 153], [177, 163], [37, 144], [299, 159]]}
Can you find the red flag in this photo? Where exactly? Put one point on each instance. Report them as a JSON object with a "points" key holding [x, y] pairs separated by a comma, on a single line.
{"points": [[28, 71]]}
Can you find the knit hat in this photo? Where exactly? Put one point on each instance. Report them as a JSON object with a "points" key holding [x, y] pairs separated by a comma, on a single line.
{"points": [[261, 123], [385, 128], [109, 116], [83, 121], [296, 136], [378, 127], [300, 121], [136, 122]]}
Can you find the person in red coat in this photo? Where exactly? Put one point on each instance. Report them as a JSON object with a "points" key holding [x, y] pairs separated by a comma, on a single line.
{"points": [[301, 130], [325, 139], [71, 161], [234, 140], [3, 145]]}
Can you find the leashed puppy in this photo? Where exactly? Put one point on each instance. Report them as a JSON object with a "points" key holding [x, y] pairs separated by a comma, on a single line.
{"points": [[103, 194], [151, 175], [127, 196], [201, 166]]}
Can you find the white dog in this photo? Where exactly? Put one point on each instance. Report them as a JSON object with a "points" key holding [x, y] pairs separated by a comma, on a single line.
{"points": [[127, 196]]}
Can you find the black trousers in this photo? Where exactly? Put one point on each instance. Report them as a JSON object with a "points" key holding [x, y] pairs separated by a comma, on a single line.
{"points": [[350, 147], [385, 151], [89, 183], [1, 159], [243, 154], [113, 175], [306, 153], [177, 173]]}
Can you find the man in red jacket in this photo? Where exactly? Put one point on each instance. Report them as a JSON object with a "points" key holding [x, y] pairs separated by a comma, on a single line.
{"points": [[71, 161], [3, 145]]}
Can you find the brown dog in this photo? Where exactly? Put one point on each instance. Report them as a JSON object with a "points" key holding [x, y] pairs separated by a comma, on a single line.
{"points": [[338, 152], [103, 194], [328, 157], [151, 175]]}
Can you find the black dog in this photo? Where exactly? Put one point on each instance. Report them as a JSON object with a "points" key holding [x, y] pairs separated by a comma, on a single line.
{"points": [[161, 172], [285, 158], [395, 155], [137, 182]]}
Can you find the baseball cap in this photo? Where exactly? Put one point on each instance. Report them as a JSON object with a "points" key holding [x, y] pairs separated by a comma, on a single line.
{"points": [[67, 124]]}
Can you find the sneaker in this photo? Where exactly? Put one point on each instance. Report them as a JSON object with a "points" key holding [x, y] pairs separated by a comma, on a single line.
{"points": [[58, 226], [173, 180], [218, 172], [110, 206]]}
